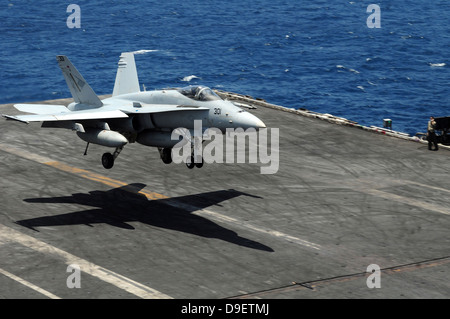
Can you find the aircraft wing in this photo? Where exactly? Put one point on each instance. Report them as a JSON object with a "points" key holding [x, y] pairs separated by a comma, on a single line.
{"points": [[51, 113]]}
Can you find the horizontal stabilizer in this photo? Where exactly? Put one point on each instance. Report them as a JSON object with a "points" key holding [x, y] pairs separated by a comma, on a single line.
{"points": [[14, 118], [41, 108], [68, 116]]}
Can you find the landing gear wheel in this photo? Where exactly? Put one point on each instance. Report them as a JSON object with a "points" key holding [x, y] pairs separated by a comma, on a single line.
{"points": [[108, 160], [199, 164], [191, 164], [166, 155]]}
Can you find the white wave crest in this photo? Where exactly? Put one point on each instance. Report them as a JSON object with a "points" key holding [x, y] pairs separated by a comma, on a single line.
{"points": [[189, 78], [143, 51], [437, 65], [339, 66]]}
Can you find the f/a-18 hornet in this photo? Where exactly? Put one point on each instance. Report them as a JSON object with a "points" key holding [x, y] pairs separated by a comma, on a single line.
{"points": [[131, 115]]}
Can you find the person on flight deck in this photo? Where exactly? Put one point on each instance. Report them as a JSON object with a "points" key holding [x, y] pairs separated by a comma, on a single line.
{"points": [[431, 134]]}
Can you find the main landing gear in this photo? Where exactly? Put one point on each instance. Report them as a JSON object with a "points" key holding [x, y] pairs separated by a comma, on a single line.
{"points": [[165, 154], [166, 157], [190, 162], [108, 158]]}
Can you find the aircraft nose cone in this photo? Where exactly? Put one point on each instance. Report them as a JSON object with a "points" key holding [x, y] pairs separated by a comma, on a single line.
{"points": [[249, 120], [260, 124]]}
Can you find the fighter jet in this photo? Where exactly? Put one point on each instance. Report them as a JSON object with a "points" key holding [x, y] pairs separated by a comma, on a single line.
{"points": [[131, 115]]}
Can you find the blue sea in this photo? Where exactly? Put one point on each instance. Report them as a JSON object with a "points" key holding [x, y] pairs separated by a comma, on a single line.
{"points": [[319, 55]]}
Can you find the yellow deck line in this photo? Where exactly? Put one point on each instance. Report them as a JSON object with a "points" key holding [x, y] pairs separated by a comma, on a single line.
{"points": [[100, 178]]}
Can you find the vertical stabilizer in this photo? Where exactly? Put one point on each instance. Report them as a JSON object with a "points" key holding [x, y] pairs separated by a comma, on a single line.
{"points": [[80, 89], [127, 78]]}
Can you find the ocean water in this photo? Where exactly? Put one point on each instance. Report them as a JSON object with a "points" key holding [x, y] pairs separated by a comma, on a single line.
{"points": [[319, 55]]}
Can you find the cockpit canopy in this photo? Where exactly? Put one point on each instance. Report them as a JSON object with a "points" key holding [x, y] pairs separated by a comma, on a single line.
{"points": [[199, 93]]}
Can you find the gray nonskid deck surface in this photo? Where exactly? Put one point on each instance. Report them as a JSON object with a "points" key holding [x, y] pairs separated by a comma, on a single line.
{"points": [[342, 199]]}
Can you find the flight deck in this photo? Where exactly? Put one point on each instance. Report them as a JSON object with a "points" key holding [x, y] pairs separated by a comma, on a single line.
{"points": [[344, 198]]}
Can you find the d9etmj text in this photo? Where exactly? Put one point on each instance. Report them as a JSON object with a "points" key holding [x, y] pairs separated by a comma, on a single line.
{"points": [[237, 308]]}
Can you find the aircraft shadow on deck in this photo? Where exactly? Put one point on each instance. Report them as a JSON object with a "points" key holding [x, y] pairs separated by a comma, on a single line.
{"points": [[120, 206]]}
